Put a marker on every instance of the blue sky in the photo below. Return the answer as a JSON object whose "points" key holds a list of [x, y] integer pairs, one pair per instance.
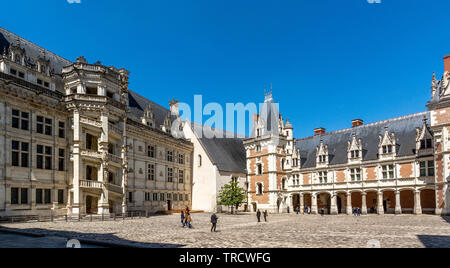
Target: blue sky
{"points": [[330, 61]]}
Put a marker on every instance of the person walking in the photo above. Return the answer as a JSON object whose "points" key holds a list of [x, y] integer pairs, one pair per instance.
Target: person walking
{"points": [[258, 215], [214, 219], [188, 220], [183, 223], [265, 215]]}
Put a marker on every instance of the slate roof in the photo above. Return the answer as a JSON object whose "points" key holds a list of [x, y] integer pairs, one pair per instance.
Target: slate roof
{"points": [[403, 127], [138, 104], [228, 154], [32, 51]]}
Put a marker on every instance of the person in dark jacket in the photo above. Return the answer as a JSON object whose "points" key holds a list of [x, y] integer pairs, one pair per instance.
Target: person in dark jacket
{"points": [[265, 215], [183, 219], [258, 215], [214, 219]]}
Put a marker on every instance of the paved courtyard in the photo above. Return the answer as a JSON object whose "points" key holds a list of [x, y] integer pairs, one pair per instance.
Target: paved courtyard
{"points": [[243, 231]]}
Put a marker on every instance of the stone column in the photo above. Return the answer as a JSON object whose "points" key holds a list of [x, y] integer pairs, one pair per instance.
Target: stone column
{"points": [[398, 207], [380, 207], [333, 207], [417, 203], [103, 201], [302, 203], [314, 209], [364, 203], [76, 206], [349, 203]]}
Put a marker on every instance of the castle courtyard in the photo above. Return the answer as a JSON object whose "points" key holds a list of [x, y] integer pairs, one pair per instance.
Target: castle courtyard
{"points": [[243, 231]]}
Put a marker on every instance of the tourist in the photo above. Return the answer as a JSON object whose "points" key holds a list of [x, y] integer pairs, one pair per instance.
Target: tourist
{"points": [[214, 219], [258, 215], [265, 215], [183, 223], [189, 220]]}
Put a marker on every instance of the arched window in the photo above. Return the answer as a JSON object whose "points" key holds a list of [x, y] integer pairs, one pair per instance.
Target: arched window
{"points": [[259, 188]]}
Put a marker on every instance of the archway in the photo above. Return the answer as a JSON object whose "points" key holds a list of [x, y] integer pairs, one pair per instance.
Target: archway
{"points": [[389, 201], [428, 201], [324, 203], [372, 202], [91, 205], [356, 200], [296, 202], [341, 203], [407, 201], [307, 202]]}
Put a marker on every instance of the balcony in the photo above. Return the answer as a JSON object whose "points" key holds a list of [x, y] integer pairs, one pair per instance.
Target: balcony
{"points": [[115, 159], [91, 154], [114, 188], [90, 122], [91, 184], [115, 130]]}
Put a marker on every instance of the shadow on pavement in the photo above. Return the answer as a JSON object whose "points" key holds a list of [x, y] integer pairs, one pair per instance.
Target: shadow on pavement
{"points": [[435, 241], [446, 218], [43, 238]]}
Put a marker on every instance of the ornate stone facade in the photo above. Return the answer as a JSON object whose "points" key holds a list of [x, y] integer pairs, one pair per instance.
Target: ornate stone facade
{"points": [[76, 140]]}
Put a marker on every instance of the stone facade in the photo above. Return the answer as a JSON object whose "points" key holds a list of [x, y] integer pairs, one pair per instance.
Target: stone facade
{"points": [[76, 140]]}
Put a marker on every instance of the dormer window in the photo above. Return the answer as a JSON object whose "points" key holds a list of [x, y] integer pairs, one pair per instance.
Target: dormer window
{"points": [[426, 144], [354, 154], [386, 144], [424, 139], [354, 149], [322, 154]]}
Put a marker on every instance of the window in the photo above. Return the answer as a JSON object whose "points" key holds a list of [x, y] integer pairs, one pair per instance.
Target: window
{"points": [[187, 197], [130, 197], [169, 196], [387, 149], [199, 160], [61, 159], [39, 81], [169, 174], [259, 170], [20, 153], [39, 199], [47, 196], [147, 196], [21, 75], [181, 159], [13, 71], [175, 197], [388, 172], [355, 174], [91, 142], [323, 177], [91, 91], [234, 180], [259, 188], [181, 197], [354, 154], [20, 120], [46, 84], [14, 196], [427, 169], [110, 94], [44, 125], [180, 176], [151, 172], [155, 197], [91, 173], [61, 197], [162, 197], [151, 151], [258, 148], [62, 130], [23, 196], [170, 156], [43, 157], [322, 158], [426, 144]]}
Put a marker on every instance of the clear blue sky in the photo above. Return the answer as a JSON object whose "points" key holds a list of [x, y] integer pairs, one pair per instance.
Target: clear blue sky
{"points": [[329, 61]]}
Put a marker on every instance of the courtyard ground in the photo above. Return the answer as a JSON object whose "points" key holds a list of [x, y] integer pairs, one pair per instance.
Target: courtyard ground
{"points": [[242, 231]]}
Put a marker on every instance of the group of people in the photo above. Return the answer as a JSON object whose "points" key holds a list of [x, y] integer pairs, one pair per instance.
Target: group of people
{"points": [[186, 219], [357, 212], [265, 215]]}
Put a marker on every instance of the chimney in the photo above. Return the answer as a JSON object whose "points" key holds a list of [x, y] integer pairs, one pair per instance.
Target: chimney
{"points": [[447, 63], [319, 131], [174, 104], [357, 123]]}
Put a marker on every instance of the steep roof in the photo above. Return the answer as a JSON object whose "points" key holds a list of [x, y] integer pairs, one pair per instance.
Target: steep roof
{"points": [[403, 127], [227, 153], [138, 104], [32, 51]]}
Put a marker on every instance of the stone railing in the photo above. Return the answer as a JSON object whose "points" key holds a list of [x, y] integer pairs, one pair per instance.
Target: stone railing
{"points": [[90, 122], [114, 188], [91, 154], [115, 159], [115, 129], [91, 184]]}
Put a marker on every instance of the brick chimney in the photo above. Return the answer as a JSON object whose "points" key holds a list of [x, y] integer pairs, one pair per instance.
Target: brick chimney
{"points": [[447, 63], [357, 123], [319, 131]]}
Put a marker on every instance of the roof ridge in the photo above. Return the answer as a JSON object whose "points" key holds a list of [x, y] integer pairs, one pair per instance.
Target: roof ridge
{"points": [[237, 135], [369, 125], [34, 44]]}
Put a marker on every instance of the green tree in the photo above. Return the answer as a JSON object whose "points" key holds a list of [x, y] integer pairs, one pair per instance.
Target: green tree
{"points": [[232, 195]]}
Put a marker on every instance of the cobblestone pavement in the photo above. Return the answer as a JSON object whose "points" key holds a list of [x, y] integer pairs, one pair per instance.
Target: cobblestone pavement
{"points": [[243, 231]]}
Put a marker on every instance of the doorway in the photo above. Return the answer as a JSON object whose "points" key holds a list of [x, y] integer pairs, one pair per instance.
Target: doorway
{"points": [[169, 205]]}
